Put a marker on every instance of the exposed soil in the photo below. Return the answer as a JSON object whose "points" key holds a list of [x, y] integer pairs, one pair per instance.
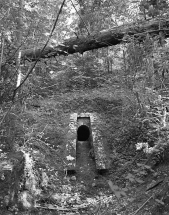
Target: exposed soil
{"points": [[87, 192]]}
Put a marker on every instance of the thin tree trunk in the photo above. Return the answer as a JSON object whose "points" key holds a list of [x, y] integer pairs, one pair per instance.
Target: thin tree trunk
{"points": [[19, 41]]}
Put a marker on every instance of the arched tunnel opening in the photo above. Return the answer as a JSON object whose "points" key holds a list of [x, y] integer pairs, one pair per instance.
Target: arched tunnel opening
{"points": [[83, 133]]}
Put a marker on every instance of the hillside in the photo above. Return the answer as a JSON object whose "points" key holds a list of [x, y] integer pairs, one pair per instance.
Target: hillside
{"points": [[84, 107]]}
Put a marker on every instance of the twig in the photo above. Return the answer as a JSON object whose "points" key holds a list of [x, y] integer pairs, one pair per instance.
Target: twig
{"points": [[155, 185], [56, 208], [2, 52], [142, 205]]}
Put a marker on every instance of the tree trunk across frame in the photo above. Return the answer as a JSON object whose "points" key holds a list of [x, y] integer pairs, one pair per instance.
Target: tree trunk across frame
{"points": [[105, 38]]}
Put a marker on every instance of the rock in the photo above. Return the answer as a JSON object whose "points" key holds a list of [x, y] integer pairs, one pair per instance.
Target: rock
{"points": [[26, 200], [73, 178]]}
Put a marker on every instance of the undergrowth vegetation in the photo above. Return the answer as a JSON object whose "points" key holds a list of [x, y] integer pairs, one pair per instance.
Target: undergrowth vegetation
{"points": [[126, 85], [134, 124]]}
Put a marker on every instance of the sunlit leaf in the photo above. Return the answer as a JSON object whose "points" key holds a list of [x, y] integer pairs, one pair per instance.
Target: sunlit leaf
{"points": [[159, 201], [112, 186], [131, 199], [117, 194], [123, 193], [139, 180]]}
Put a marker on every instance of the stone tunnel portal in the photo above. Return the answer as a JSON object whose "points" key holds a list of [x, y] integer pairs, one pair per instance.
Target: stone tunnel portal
{"points": [[83, 133]]}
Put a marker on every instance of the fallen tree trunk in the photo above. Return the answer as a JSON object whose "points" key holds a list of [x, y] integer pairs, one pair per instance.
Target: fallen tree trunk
{"points": [[105, 38]]}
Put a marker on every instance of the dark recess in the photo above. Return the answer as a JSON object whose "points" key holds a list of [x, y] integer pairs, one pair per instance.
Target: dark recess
{"points": [[83, 133]]}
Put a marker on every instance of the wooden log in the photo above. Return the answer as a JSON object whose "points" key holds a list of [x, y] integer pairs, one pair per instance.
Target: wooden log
{"points": [[105, 38]]}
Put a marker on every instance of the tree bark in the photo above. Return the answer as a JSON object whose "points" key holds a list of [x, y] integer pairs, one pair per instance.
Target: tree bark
{"points": [[19, 27], [105, 38]]}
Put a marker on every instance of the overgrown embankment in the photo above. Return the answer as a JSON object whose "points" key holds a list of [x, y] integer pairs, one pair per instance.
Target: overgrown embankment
{"points": [[42, 134]]}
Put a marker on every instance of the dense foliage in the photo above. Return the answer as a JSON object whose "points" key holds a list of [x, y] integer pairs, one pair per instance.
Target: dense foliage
{"points": [[126, 84]]}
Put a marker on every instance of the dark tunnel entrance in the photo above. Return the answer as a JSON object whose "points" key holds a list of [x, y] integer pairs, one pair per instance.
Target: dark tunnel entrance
{"points": [[83, 133]]}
